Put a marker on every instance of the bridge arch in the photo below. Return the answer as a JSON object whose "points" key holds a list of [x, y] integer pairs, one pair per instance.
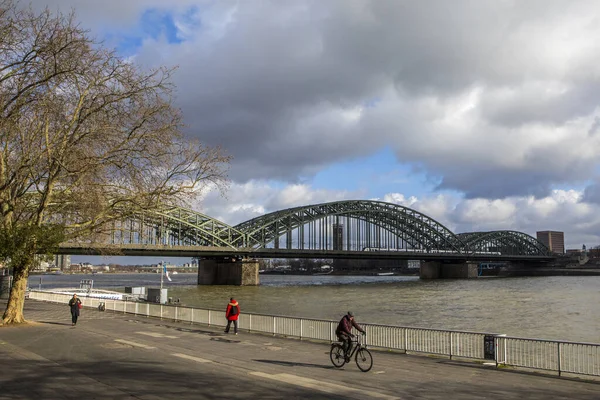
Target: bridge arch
{"points": [[175, 226], [505, 242], [353, 225], [364, 224]]}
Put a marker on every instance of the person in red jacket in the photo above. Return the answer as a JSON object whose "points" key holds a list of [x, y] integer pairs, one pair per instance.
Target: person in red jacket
{"points": [[232, 313]]}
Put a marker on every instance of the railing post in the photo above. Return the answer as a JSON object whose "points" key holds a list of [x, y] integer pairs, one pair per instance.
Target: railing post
{"points": [[330, 331], [176, 309], [274, 326], [558, 360], [450, 349], [301, 323], [208, 317], [250, 323], [192, 317]]}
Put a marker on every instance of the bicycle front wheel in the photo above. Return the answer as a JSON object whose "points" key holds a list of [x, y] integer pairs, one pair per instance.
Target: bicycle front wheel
{"points": [[364, 360], [337, 355]]}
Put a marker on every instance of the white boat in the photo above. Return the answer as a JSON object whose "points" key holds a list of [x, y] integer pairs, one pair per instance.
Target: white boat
{"points": [[385, 273], [323, 273], [93, 293]]}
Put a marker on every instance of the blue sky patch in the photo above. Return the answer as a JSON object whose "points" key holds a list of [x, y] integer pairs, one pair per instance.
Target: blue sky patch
{"points": [[153, 24], [375, 175]]}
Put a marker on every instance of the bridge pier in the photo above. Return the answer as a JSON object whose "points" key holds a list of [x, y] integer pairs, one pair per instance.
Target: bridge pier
{"points": [[227, 272], [439, 270]]}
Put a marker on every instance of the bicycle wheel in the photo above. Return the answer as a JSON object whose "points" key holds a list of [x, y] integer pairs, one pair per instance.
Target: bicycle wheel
{"points": [[364, 360], [337, 355]]}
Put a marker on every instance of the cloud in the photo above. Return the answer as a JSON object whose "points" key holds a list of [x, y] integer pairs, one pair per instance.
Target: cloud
{"points": [[591, 193], [489, 99], [561, 210], [254, 199]]}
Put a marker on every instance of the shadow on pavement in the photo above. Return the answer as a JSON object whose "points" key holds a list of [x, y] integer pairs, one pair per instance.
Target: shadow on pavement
{"points": [[117, 380], [55, 323], [295, 364]]}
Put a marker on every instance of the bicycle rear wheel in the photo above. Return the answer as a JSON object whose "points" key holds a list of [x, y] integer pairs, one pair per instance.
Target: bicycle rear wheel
{"points": [[337, 355], [364, 360]]}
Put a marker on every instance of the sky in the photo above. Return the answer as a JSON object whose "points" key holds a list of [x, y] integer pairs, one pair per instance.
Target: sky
{"points": [[483, 115]]}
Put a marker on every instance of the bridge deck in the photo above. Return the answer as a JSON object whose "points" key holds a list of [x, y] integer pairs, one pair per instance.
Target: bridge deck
{"points": [[214, 251]]}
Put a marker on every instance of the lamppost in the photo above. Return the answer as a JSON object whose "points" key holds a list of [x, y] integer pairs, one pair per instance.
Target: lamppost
{"points": [[162, 272]]}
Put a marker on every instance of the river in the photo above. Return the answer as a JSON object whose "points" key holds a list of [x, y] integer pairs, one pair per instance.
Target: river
{"points": [[560, 307]]}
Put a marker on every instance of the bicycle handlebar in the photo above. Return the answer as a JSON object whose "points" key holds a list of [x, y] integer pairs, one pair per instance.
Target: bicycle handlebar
{"points": [[356, 338]]}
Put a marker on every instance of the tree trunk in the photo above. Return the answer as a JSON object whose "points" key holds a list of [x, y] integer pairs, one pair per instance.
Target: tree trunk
{"points": [[16, 299]]}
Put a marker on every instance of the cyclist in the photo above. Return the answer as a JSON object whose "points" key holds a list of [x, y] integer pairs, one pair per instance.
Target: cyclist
{"points": [[344, 333]]}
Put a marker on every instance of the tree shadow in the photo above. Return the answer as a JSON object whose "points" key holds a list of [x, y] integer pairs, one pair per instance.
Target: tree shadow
{"points": [[25, 379]]}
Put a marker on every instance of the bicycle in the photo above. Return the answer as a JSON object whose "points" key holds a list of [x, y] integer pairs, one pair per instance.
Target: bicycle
{"points": [[362, 356]]}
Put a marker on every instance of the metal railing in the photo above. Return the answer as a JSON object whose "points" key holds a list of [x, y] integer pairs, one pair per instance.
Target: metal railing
{"points": [[550, 355]]}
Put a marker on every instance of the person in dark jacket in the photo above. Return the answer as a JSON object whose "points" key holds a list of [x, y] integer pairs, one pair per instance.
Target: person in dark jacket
{"points": [[75, 304], [344, 332], [232, 313]]}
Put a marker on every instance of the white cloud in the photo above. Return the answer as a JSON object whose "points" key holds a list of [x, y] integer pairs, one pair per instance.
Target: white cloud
{"points": [[562, 210]]}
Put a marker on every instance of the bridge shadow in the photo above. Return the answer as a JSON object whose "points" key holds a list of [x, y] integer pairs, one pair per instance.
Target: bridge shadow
{"points": [[295, 364]]}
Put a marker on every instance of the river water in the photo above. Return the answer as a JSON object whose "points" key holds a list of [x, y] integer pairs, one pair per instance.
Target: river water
{"points": [[561, 307]]}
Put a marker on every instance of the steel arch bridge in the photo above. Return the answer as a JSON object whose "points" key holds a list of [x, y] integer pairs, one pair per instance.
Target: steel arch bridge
{"points": [[336, 228]]}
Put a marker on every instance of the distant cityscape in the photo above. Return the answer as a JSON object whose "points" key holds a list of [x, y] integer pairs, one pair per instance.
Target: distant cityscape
{"points": [[62, 264]]}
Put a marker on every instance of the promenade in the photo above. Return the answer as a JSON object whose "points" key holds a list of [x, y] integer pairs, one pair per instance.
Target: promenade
{"points": [[116, 356]]}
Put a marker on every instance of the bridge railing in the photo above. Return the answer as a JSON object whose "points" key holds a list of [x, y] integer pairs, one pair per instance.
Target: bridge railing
{"points": [[549, 355]]}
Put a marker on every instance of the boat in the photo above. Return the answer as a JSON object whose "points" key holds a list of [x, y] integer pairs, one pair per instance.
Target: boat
{"points": [[92, 293], [324, 273], [385, 273]]}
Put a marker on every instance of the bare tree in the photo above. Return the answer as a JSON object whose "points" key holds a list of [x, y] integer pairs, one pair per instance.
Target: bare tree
{"points": [[84, 136]]}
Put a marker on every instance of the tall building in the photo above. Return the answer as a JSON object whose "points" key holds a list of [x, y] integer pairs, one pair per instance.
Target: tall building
{"points": [[62, 261], [338, 236], [554, 240]]}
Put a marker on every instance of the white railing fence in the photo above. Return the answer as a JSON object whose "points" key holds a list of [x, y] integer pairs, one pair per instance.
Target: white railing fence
{"points": [[557, 356]]}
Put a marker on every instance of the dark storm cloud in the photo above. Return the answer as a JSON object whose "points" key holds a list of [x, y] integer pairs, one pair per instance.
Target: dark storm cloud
{"points": [[290, 87], [591, 193]]}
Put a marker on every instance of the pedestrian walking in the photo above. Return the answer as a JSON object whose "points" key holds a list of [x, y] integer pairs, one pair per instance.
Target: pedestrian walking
{"points": [[75, 304], [232, 313]]}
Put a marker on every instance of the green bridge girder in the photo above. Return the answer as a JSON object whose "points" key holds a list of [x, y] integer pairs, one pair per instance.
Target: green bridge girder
{"points": [[412, 227], [176, 226], [360, 225]]}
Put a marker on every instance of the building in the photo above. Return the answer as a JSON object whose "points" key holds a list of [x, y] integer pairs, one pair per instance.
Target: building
{"points": [[554, 240], [62, 262]]}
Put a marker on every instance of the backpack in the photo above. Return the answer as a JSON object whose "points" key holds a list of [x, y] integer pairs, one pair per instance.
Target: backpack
{"points": [[234, 310]]}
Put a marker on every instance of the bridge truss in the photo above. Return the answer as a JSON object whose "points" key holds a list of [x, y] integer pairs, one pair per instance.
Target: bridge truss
{"points": [[175, 226], [342, 226]]}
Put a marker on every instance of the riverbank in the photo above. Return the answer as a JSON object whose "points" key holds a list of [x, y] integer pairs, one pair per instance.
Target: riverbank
{"points": [[555, 307], [115, 356]]}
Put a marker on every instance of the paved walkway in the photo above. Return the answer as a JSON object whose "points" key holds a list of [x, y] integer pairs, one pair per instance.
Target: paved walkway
{"points": [[116, 356]]}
